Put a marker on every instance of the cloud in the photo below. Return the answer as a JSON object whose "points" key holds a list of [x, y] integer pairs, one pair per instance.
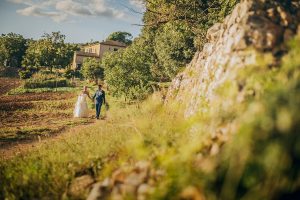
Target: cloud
{"points": [[138, 3], [101, 9], [72, 8], [26, 2], [61, 10], [38, 12]]}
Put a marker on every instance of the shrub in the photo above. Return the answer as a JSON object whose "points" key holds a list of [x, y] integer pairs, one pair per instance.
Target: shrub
{"points": [[69, 73], [44, 75], [27, 72], [9, 72], [53, 83], [78, 74]]}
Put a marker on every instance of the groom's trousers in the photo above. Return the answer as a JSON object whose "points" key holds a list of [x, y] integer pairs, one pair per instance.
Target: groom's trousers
{"points": [[98, 110]]}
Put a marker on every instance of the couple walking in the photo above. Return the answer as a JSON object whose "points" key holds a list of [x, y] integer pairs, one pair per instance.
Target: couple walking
{"points": [[81, 107]]}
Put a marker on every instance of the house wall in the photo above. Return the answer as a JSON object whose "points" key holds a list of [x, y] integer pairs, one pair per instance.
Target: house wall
{"points": [[104, 48], [93, 49], [97, 49]]}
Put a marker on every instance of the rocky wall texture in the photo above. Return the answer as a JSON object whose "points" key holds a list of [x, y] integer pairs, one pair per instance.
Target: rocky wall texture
{"points": [[253, 26]]}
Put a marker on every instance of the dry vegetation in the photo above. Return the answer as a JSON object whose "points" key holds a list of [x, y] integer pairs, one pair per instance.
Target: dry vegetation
{"points": [[6, 84], [31, 116]]}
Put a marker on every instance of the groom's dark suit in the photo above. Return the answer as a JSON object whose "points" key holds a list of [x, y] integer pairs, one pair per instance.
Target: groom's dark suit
{"points": [[99, 98]]}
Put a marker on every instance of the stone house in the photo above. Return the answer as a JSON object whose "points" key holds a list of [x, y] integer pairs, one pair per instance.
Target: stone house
{"points": [[96, 50]]}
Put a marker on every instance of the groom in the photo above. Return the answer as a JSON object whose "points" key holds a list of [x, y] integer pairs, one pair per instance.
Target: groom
{"points": [[99, 98]]}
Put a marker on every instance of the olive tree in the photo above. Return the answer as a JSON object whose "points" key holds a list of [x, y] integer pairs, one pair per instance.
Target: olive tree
{"points": [[92, 69]]}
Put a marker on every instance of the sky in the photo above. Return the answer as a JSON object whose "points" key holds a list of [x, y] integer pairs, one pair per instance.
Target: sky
{"points": [[79, 20]]}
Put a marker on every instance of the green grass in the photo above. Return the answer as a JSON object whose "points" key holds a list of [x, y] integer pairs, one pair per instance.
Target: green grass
{"points": [[22, 90], [235, 150]]}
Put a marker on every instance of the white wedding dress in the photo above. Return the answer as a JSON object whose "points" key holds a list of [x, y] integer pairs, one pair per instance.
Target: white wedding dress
{"points": [[81, 107]]}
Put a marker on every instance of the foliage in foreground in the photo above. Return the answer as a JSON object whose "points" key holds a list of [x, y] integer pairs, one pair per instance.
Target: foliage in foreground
{"points": [[256, 158]]}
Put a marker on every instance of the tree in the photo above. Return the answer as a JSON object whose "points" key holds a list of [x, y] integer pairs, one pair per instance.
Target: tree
{"points": [[199, 15], [127, 72], [50, 52], [174, 48], [92, 69], [12, 49], [167, 43], [120, 36]]}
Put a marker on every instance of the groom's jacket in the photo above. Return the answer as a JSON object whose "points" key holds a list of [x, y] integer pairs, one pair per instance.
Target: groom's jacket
{"points": [[99, 96]]}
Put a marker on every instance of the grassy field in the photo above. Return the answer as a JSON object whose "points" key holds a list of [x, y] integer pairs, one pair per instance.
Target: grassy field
{"points": [[96, 150], [30, 115], [35, 115]]}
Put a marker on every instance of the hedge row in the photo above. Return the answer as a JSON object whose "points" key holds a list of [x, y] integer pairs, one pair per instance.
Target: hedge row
{"points": [[33, 83]]}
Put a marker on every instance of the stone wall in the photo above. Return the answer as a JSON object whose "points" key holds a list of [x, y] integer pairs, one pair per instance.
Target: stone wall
{"points": [[259, 25]]}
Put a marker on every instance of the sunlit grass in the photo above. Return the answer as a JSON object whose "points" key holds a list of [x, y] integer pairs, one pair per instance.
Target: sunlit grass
{"points": [[22, 90], [60, 160]]}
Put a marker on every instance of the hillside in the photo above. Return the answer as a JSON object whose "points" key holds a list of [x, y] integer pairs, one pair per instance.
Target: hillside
{"points": [[228, 127]]}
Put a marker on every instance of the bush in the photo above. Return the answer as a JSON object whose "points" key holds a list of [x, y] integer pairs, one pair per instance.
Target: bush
{"points": [[36, 83], [27, 72], [9, 72], [47, 74], [44, 75], [69, 73], [78, 74]]}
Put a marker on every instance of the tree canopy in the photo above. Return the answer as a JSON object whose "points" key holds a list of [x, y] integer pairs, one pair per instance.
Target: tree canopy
{"points": [[12, 49], [92, 69], [121, 36], [49, 52], [172, 31], [128, 71]]}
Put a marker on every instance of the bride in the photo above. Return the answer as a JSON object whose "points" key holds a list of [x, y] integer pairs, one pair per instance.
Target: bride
{"points": [[81, 107]]}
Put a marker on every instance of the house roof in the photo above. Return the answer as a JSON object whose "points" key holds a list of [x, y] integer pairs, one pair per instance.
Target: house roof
{"points": [[113, 43]]}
